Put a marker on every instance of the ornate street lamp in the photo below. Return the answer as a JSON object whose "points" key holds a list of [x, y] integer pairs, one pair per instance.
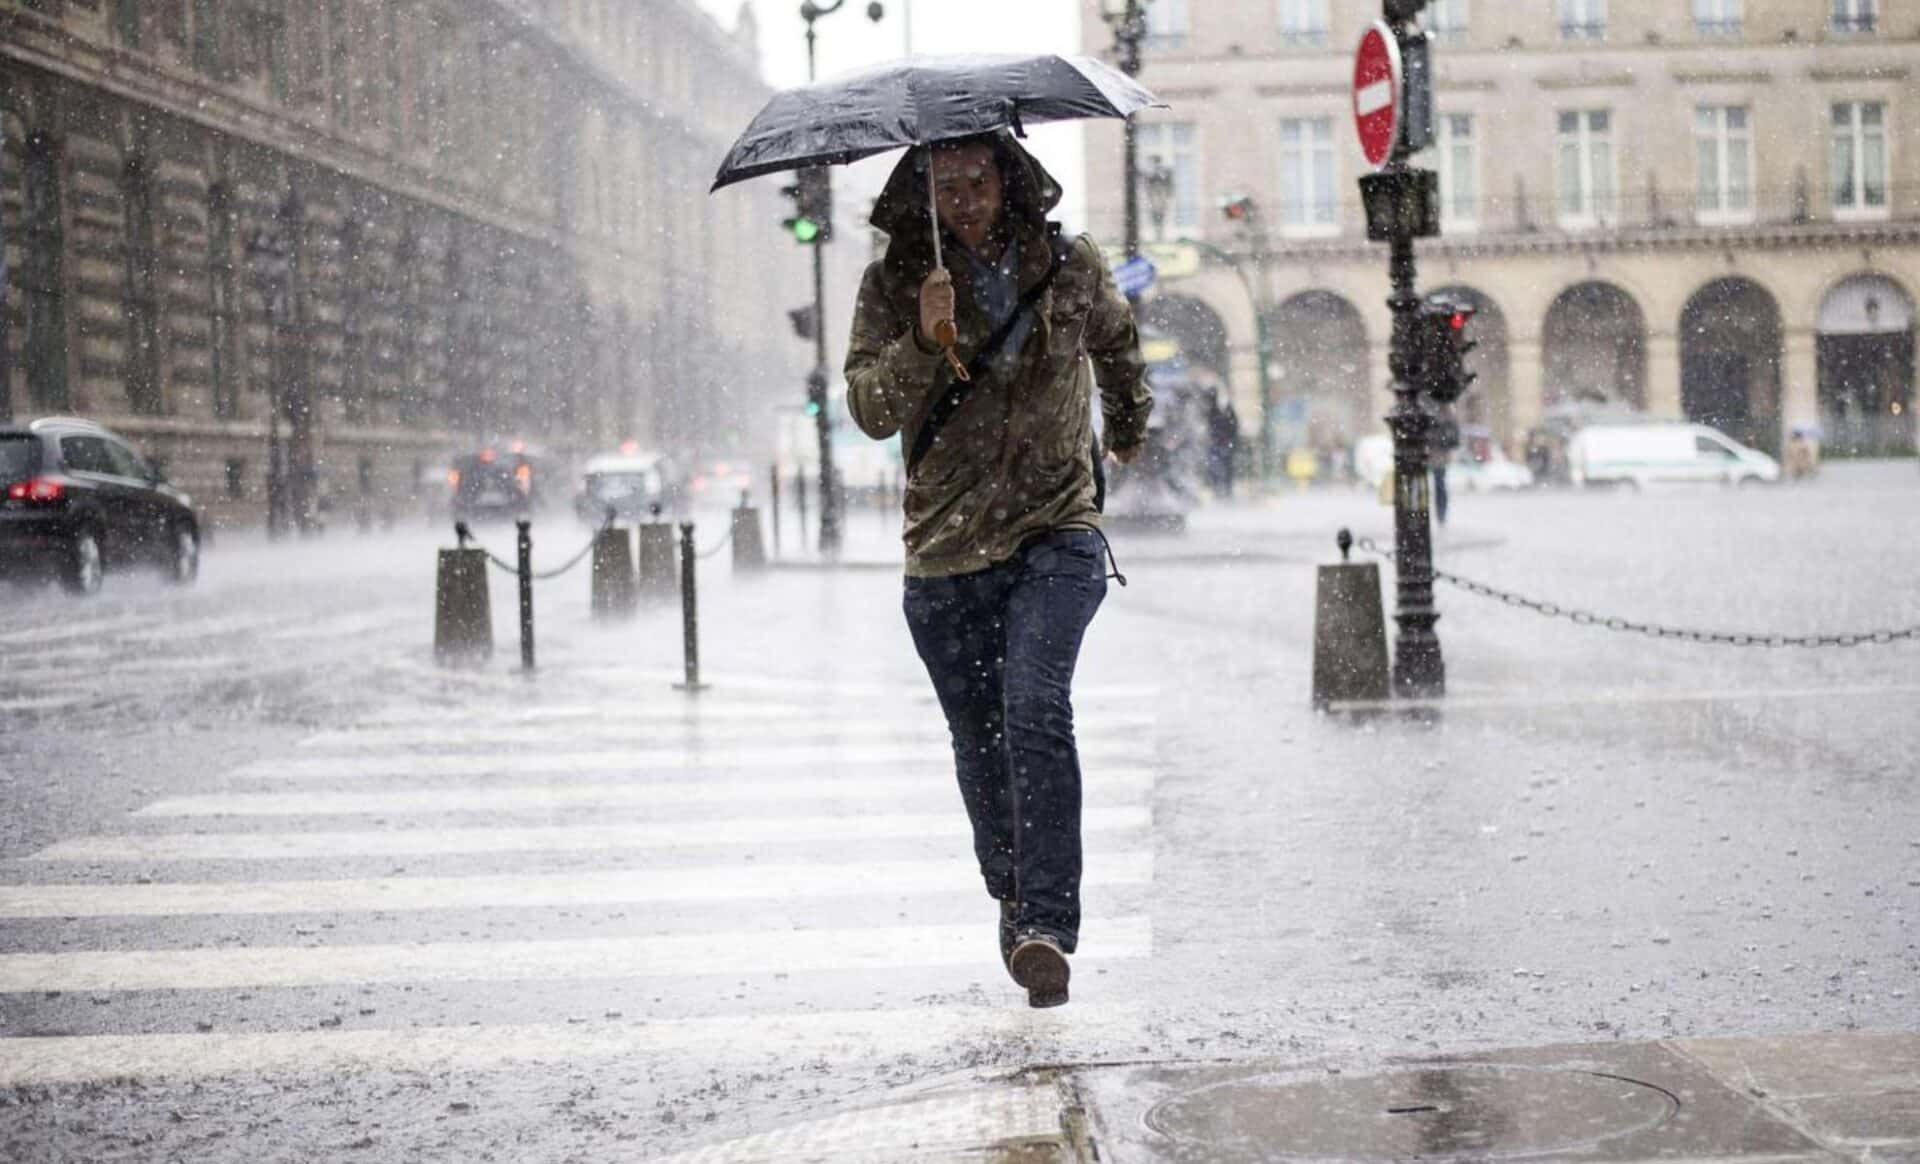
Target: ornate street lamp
{"points": [[1159, 180]]}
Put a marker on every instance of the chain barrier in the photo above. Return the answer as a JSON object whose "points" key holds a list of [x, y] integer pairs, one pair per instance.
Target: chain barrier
{"points": [[724, 543], [1656, 630], [514, 569]]}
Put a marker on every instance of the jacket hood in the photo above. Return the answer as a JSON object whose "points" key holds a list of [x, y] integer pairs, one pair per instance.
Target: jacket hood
{"points": [[902, 212]]}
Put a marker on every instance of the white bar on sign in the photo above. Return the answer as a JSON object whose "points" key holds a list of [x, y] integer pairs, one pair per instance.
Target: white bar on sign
{"points": [[1373, 98], [671, 955], [881, 879], [557, 838], [1105, 783]]}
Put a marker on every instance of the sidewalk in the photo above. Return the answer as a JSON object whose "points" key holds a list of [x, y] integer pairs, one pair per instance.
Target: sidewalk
{"points": [[1791, 1098]]}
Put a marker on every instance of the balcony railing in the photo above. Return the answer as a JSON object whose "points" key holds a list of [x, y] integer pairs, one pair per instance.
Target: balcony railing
{"points": [[1854, 23], [1682, 210], [1717, 29], [1583, 30], [1304, 37]]}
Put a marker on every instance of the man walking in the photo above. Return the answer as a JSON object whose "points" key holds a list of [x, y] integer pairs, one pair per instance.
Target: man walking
{"points": [[1005, 564]]}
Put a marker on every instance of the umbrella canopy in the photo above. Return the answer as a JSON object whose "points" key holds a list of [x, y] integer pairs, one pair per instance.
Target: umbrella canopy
{"points": [[923, 100]]}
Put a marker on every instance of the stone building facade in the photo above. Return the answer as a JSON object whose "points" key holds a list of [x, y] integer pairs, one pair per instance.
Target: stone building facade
{"points": [[385, 230], [1707, 209]]}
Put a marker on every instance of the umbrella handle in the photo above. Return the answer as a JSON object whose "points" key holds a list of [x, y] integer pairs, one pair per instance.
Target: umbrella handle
{"points": [[945, 333]]}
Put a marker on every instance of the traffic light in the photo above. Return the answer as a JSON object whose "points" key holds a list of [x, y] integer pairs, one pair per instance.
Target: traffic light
{"points": [[1400, 11], [806, 321], [812, 221], [1442, 346], [1237, 208]]}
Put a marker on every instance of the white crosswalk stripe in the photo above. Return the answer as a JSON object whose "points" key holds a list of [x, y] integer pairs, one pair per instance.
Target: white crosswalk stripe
{"points": [[842, 811], [736, 1037], [1128, 783]]}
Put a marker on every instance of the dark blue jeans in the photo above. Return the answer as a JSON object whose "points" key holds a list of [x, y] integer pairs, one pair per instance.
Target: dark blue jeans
{"points": [[1000, 645]]}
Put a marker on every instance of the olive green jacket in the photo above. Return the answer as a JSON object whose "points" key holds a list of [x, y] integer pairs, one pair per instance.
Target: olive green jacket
{"points": [[1014, 460]]}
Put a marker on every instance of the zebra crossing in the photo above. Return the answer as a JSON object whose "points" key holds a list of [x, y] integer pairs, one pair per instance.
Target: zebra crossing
{"points": [[769, 870]]}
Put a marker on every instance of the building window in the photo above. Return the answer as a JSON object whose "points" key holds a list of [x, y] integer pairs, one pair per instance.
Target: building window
{"points": [[1717, 19], [1307, 203], [1174, 144], [1167, 25], [222, 292], [1723, 147], [1586, 167], [1860, 159], [1447, 21], [1855, 15], [141, 368], [126, 22], [1583, 19], [1459, 166], [208, 60], [42, 275], [1303, 23]]}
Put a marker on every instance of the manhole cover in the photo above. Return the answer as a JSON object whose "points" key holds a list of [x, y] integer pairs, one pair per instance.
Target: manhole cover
{"points": [[1437, 1113]]}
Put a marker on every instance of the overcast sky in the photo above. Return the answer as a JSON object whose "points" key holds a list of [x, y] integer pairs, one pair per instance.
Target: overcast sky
{"points": [[848, 40]]}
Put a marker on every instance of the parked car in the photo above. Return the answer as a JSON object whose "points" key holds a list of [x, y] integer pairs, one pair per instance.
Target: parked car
{"points": [[1480, 465], [495, 484], [1660, 452], [79, 501], [636, 486]]}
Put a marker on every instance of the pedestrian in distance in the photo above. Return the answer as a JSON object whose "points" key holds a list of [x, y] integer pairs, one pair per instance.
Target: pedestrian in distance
{"points": [[1005, 561], [1442, 440]]}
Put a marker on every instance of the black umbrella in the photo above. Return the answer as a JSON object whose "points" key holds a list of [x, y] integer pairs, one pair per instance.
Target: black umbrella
{"points": [[920, 101], [923, 100]]}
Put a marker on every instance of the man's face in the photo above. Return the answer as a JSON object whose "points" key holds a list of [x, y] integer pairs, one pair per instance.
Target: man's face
{"points": [[966, 185]]}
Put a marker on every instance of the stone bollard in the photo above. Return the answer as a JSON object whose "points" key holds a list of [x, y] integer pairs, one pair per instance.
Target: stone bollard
{"points": [[749, 552], [657, 565], [462, 615], [1349, 633], [613, 592]]}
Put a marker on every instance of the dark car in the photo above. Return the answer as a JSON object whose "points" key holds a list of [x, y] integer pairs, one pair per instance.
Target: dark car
{"points": [[495, 485], [79, 501]]}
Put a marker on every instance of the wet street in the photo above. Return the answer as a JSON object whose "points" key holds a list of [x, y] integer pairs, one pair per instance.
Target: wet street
{"points": [[273, 886]]}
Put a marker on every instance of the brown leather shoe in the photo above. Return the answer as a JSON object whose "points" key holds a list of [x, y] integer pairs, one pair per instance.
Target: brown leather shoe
{"points": [[1039, 964]]}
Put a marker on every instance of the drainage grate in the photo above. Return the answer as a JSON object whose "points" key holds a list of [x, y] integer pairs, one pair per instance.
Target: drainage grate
{"points": [[1442, 1113]]}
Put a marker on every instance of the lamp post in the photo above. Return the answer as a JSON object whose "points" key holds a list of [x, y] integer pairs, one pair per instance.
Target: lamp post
{"points": [[1242, 210], [1128, 20], [1159, 180], [830, 507], [270, 252]]}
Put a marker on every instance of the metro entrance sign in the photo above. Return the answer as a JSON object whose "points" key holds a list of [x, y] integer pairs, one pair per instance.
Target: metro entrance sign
{"points": [[1378, 89]]}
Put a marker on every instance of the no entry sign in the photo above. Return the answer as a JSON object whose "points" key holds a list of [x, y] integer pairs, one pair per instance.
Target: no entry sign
{"points": [[1377, 89]]}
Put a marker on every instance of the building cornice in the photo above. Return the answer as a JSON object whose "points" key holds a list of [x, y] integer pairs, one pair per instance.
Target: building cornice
{"points": [[1822, 236]]}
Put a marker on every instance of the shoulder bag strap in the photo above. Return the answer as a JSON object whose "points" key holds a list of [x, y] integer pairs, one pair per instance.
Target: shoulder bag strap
{"points": [[956, 390]]}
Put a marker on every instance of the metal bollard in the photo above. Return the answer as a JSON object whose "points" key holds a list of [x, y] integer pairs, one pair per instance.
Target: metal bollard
{"points": [[689, 613], [773, 506], [800, 499], [749, 552], [613, 585], [526, 594], [462, 616]]}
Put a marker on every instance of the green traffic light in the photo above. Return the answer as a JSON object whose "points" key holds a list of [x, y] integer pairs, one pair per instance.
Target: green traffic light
{"points": [[805, 230]]}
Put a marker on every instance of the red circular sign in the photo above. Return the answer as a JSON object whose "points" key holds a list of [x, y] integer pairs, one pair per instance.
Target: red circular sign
{"points": [[1376, 92]]}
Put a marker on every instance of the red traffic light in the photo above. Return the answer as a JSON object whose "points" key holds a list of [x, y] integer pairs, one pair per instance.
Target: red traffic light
{"points": [[1458, 321]]}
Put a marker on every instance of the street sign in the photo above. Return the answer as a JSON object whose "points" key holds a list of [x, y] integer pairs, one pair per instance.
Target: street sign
{"points": [[1134, 276], [1377, 81], [1173, 260]]}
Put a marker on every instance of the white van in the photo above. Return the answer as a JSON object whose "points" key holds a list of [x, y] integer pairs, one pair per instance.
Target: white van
{"points": [[1664, 451]]}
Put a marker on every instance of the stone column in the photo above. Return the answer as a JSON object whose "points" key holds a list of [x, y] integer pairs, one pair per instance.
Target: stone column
{"points": [[1663, 375], [1799, 380], [1526, 387]]}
